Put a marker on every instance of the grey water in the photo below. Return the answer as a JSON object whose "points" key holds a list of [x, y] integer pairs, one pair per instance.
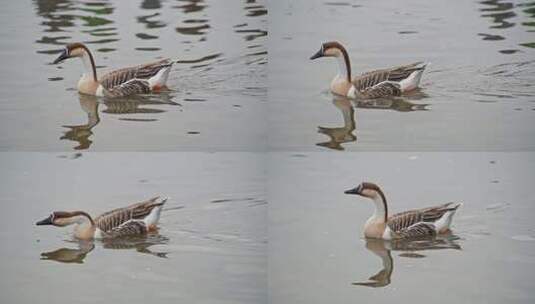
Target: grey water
{"points": [[317, 252], [476, 94], [210, 246], [217, 88]]}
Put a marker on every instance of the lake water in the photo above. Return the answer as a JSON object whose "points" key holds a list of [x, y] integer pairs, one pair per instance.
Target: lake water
{"points": [[218, 88], [317, 253], [477, 93], [211, 246]]}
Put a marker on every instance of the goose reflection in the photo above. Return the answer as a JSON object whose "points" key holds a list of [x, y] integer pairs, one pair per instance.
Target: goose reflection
{"points": [[69, 255], [399, 104], [410, 249], [77, 255], [90, 105], [344, 134], [82, 133]]}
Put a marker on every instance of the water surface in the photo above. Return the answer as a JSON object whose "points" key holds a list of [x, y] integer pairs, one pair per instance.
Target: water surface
{"points": [[477, 93], [210, 247], [317, 253], [217, 88]]}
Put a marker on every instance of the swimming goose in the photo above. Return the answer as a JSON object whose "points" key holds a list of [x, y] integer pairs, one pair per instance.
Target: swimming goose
{"points": [[136, 219], [123, 82], [375, 84], [425, 222]]}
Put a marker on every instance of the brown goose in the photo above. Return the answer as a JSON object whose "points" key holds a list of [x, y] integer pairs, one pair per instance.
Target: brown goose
{"points": [[139, 79], [136, 219], [416, 223], [375, 84]]}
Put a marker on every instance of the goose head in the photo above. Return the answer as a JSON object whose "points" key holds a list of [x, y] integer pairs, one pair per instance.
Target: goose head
{"points": [[72, 50], [369, 190], [63, 218], [330, 49]]}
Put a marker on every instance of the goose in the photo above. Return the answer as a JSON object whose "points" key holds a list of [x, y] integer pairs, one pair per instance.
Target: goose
{"points": [[425, 222], [139, 79], [136, 219], [375, 84]]}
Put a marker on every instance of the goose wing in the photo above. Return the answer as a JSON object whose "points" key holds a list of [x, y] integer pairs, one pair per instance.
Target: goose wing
{"points": [[145, 71], [128, 228], [382, 89], [369, 79], [112, 219], [133, 86], [400, 221]]}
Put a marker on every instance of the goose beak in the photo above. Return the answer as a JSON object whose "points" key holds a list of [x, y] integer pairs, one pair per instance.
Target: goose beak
{"points": [[62, 57], [317, 55], [355, 190], [47, 221]]}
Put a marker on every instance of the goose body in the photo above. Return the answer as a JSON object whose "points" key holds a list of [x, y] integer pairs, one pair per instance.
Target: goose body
{"points": [[136, 219], [375, 84], [139, 79], [425, 222]]}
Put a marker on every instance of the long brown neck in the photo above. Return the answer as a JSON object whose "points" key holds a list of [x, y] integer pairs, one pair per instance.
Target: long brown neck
{"points": [[381, 208], [83, 215], [89, 62], [343, 62]]}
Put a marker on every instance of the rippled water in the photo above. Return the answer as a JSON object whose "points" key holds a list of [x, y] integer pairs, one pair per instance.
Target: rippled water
{"points": [[477, 93], [317, 253], [218, 86], [210, 247]]}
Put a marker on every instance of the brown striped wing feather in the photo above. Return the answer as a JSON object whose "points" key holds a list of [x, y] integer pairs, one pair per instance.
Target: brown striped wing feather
{"points": [[129, 228], [382, 89], [115, 218], [134, 86], [369, 79], [146, 71], [400, 221], [421, 229]]}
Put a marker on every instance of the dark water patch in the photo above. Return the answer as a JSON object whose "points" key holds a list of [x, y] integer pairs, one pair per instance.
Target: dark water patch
{"points": [[106, 50], [499, 13], [150, 4], [252, 34], [95, 21], [139, 119], [509, 51], [240, 25], [49, 52], [193, 30], [528, 44], [491, 37], [407, 32], [149, 23], [255, 10], [230, 200], [202, 59], [53, 40], [101, 41], [148, 49], [192, 6], [193, 132], [195, 99], [257, 53], [146, 36]]}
